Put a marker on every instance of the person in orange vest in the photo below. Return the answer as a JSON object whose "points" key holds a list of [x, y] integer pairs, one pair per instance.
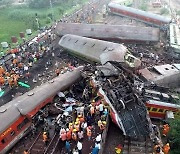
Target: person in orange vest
{"points": [[2, 80], [166, 148], [26, 151], [45, 138], [76, 126], [89, 132], [2, 71], [81, 118], [15, 79], [68, 134], [10, 82], [57, 71], [74, 135], [7, 74], [71, 127], [15, 61], [166, 129]]}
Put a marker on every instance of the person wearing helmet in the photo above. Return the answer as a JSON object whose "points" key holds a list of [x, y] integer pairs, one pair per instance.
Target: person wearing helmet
{"points": [[166, 148]]}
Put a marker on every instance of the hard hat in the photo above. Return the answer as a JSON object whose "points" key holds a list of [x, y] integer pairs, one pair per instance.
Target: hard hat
{"points": [[93, 100], [74, 130], [167, 144], [45, 133], [76, 122], [104, 122], [79, 116], [67, 129], [70, 124]]}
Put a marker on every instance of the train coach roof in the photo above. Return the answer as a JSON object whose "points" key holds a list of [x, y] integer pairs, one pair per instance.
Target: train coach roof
{"points": [[105, 31], [24, 104], [140, 12], [155, 102], [93, 49], [8, 116]]}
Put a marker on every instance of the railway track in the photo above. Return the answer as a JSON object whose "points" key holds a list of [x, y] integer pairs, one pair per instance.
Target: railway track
{"points": [[39, 147], [137, 146]]}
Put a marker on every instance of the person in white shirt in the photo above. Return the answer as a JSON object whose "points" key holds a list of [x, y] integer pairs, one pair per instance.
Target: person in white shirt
{"points": [[79, 146], [101, 108]]}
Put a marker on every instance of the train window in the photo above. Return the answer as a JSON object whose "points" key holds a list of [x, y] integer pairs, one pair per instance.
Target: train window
{"points": [[93, 45], [161, 110], [76, 41], [24, 122], [154, 109], [3, 141], [12, 133], [69, 39], [105, 48], [149, 108], [84, 43]]}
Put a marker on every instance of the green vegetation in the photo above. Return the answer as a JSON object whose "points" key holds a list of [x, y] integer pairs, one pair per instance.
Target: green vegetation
{"points": [[18, 18], [144, 5], [127, 3], [174, 136], [164, 11]]}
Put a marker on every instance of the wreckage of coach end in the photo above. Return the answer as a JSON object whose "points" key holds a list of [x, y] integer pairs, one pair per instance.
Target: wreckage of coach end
{"points": [[99, 51], [16, 116], [125, 33]]}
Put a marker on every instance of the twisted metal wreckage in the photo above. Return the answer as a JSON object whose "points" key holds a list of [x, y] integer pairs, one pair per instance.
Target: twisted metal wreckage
{"points": [[114, 83]]}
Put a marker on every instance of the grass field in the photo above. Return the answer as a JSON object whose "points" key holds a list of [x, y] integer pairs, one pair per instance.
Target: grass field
{"points": [[16, 19]]}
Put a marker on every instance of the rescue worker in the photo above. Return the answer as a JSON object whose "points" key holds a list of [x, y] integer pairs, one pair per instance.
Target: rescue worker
{"points": [[26, 151], [57, 71], [89, 133], [74, 136], [166, 148], [166, 129], [80, 135], [71, 127], [118, 149], [45, 138], [2, 81], [76, 126], [2, 71], [10, 82], [63, 135], [15, 79], [68, 134]]}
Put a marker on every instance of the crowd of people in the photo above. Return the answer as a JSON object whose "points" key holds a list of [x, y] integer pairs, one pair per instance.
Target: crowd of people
{"points": [[87, 125], [159, 148]]}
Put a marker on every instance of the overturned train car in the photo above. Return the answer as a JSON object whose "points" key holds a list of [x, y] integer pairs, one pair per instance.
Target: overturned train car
{"points": [[146, 17], [16, 116], [110, 32], [98, 51]]}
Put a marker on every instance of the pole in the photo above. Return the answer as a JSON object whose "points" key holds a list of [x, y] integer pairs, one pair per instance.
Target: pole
{"points": [[51, 9]]}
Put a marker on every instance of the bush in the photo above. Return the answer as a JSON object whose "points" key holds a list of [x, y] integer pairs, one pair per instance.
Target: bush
{"points": [[174, 136], [164, 11], [48, 20]]}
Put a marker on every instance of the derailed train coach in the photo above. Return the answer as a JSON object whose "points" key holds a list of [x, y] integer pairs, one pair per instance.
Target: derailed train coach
{"points": [[98, 51], [125, 33], [146, 17], [16, 117]]}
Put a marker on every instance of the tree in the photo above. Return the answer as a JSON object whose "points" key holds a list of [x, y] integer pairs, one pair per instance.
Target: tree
{"points": [[174, 136], [164, 11]]}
